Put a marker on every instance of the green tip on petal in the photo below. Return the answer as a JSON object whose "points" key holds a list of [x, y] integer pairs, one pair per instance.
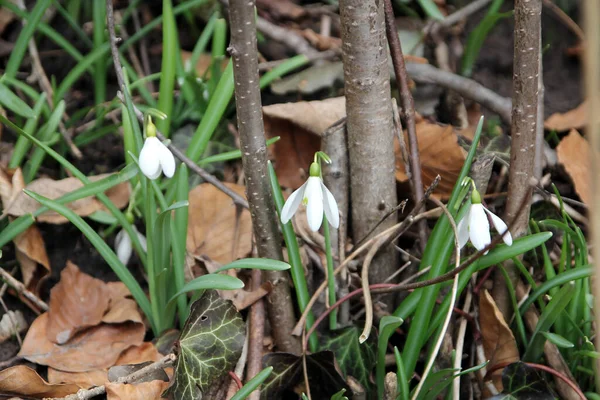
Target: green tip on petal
{"points": [[315, 170], [475, 197]]}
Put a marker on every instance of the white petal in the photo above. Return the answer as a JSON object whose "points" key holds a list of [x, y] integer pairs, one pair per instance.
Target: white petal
{"points": [[123, 246], [463, 230], [292, 203], [314, 208], [167, 161], [330, 207], [142, 239], [479, 227], [500, 227], [149, 158]]}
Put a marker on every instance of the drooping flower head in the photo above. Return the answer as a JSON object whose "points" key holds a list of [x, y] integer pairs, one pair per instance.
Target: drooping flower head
{"points": [[317, 199], [476, 227], [155, 157]]}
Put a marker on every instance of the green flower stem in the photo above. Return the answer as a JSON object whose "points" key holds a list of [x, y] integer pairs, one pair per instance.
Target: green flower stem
{"points": [[150, 216], [101, 66], [297, 270], [168, 67], [330, 275], [179, 241]]}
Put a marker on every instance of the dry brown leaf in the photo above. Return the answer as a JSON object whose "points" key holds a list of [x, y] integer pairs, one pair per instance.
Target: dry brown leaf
{"points": [[440, 154], [32, 256], [576, 118], [300, 126], [24, 381], [30, 249], [139, 354], [214, 227], [95, 348], [499, 343], [77, 302], [85, 380], [52, 189], [281, 8], [141, 391], [574, 153], [122, 307]]}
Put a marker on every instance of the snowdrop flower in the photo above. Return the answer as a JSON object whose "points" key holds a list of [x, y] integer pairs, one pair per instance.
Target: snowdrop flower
{"points": [[123, 244], [317, 199], [155, 157], [475, 226]]}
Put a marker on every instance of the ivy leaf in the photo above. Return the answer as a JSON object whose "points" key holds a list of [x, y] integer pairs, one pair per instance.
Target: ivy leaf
{"points": [[209, 346], [355, 359], [522, 382], [324, 379]]}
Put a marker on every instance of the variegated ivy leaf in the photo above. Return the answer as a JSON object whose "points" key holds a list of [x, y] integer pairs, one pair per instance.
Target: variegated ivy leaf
{"points": [[209, 346]]}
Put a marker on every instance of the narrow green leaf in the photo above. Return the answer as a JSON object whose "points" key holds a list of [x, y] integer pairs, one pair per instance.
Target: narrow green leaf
{"points": [[21, 45], [169, 58], [256, 263], [558, 303], [14, 103], [211, 281], [252, 384], [387, 326], [558, 340]]}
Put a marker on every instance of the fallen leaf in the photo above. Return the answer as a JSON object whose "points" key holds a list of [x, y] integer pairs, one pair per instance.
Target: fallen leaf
{"points": [[574, 153], [300, 126], [83, 380], [12, 323], [31, 254], [77, 302], [499, 343], [95, 348], [141, 391], [146, 352], [6, 17], [215, 228], [440, 154], [52, 189], [29, 244], [122, 307], [576, 118], [24, 381]]}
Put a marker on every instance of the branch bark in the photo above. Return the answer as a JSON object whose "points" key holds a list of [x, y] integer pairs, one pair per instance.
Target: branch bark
{"points": [[523, 130], [244, 52], [369, 124]]}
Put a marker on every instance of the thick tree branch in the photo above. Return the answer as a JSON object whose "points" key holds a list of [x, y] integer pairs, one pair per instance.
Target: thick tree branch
{"points": [[369, 123], [243, 51], [523, 129]]}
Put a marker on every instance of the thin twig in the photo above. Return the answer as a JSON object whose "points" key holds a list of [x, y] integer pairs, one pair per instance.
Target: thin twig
{"points": [[237, 199], [84, 394], [408, 109], [22, 290], [257, 330], [564, 17], [364, 278]]}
